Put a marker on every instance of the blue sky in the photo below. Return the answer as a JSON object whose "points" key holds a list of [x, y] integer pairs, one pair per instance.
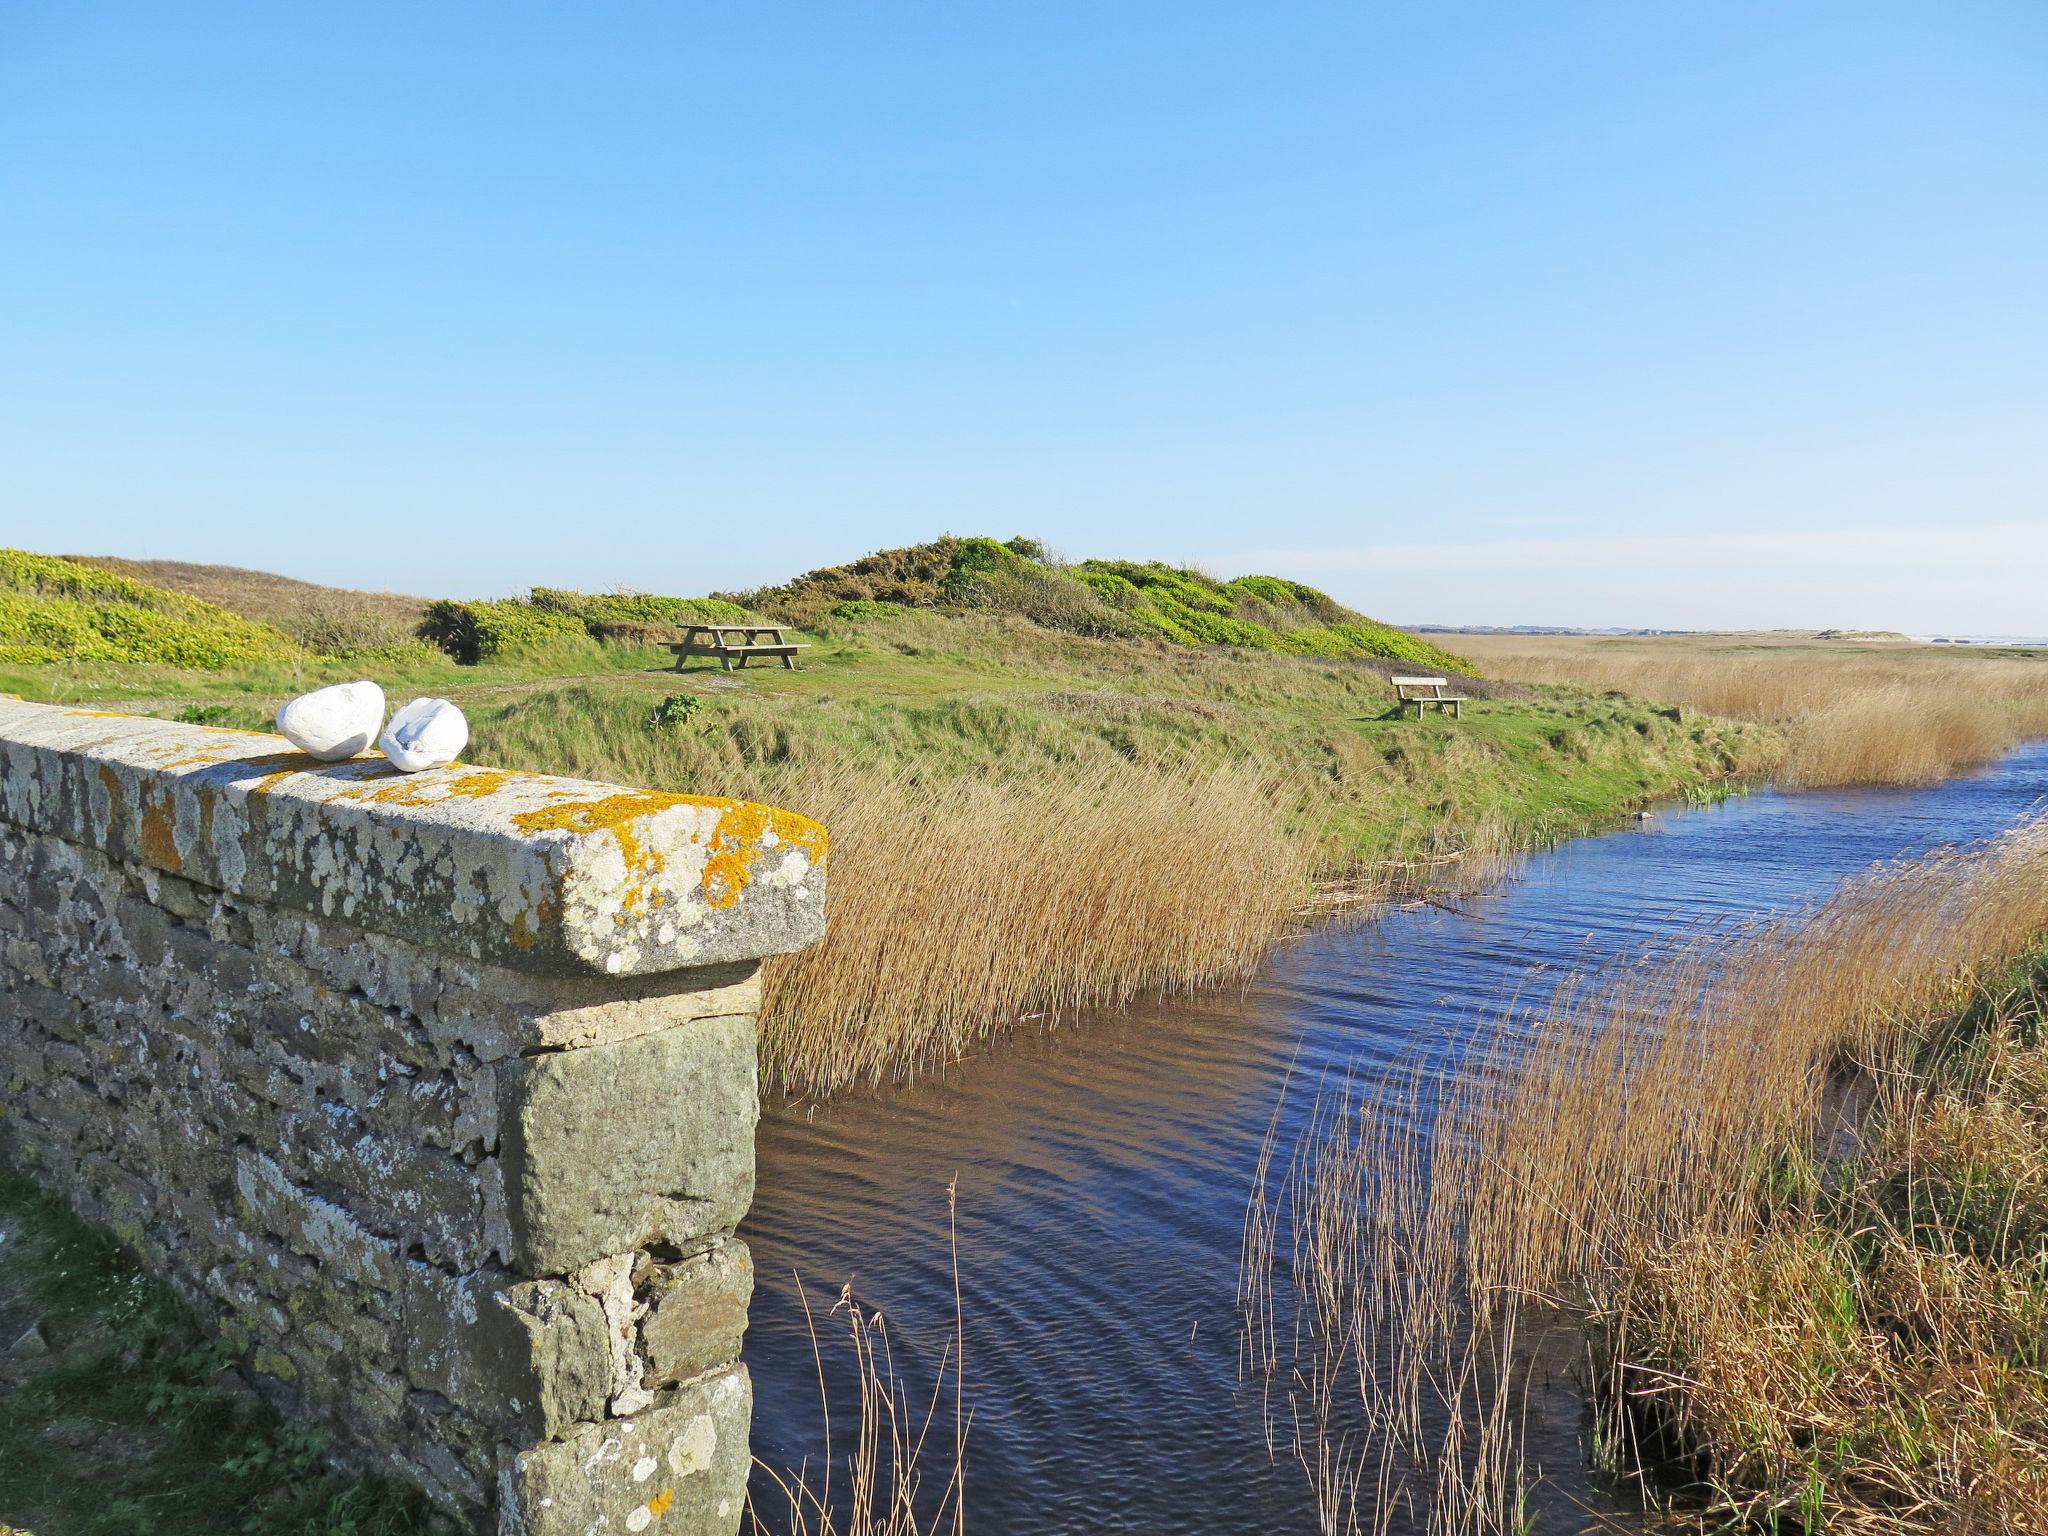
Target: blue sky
{"points": [[1578, 313]]}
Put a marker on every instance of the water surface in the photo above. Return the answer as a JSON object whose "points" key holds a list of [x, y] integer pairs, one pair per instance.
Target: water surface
{"points": [[1103, 1168]]}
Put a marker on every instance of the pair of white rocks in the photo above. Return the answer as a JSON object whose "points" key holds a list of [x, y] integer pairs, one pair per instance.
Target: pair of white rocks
{"points": [[338, 722]]}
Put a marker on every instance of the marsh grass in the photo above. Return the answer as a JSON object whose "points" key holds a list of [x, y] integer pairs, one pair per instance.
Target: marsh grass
{"points": [[1852, 715], [1658, 1154]]}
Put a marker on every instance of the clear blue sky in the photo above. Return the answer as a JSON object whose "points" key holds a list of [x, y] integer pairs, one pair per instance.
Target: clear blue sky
{"points": [[1611, 314]]}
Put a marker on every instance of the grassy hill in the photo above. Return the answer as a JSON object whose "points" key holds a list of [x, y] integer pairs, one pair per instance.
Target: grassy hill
{"points": [[1049, 786], [53, 609], [329, 620], [1104, 598]]}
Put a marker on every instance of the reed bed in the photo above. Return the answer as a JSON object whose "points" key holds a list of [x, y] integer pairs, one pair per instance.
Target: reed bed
{"points": [[998, 861], [983, 902], [1904, 715], [1610, 1160]]}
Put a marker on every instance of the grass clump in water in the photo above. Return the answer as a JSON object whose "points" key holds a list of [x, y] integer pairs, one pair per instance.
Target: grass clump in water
{"points": [[119, 1417]]}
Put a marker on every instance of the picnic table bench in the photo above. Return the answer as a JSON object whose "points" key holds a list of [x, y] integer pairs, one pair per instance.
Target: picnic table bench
{"points": [[1425, 691], [719, 642]]}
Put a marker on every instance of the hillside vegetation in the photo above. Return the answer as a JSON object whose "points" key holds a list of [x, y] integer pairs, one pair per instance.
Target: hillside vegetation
{"points": [[53, 609], [1103, 598], [327, 620]]}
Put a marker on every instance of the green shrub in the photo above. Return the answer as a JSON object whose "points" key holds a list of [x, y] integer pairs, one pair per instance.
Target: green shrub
{"points": [[868, 608], [601, 611], [482, 631], [59, 610], [678, 709]]}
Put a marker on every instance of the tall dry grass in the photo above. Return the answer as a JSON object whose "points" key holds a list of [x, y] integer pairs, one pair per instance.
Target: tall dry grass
{"points": [[985, 901], [880, 1482], [1906, 715], [1401, 1275]]}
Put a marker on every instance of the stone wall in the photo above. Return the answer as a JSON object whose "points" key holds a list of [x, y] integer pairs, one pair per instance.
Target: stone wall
{"points": [[437, 1092]]}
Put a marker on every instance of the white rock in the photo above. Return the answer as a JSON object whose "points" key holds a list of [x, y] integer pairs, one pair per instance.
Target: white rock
{"points": [[333, 723], [427, 733]]}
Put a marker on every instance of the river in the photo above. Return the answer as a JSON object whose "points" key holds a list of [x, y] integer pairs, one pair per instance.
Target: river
{"points": [[1103, 1167]]}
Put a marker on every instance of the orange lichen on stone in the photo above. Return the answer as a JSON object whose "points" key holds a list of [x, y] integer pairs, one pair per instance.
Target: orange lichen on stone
{"points": [[99, 714], [659, 1504], [110, 781], [159, 838], [616, 814]]}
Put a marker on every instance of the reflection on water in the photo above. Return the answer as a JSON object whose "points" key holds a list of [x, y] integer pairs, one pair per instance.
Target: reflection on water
{"points": [[1103, 1169]]}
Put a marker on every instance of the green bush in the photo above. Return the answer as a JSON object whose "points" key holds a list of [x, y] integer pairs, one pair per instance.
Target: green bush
{"points": [[482, 631], [868, 608], [58, 610], [678, 709], [601, 611]]}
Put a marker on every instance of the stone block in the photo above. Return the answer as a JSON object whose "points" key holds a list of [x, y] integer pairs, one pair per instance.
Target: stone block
{"points": [[696, 1313], [619, 1146], [528, 1357], [679, 1467]]}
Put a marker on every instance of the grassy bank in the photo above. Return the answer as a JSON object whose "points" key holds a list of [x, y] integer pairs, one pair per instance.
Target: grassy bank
{"points": [[1861, 1344], [1025, 820], [1791, 1186], [1853, 711], [118, 1417]]}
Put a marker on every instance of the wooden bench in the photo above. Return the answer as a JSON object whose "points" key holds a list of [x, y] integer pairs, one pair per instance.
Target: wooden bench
{"points": [[719, 642], [1425, 691]]}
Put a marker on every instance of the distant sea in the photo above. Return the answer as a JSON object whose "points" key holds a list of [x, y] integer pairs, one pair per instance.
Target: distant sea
{"points": [[2021, 641]]}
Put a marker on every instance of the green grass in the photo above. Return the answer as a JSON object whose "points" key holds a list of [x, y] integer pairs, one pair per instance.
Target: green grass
{"points": [[975, 695], [128, 1426]]}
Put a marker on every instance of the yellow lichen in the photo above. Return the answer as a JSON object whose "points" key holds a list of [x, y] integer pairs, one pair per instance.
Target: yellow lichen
{"points": [[659, 1504], [474, 784], [736, 841]]}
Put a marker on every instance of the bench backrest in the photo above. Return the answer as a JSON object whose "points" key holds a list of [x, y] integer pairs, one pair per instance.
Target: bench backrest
{"points": [[1403, 684]]}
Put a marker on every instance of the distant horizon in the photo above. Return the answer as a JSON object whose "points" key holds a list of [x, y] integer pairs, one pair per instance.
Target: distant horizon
{"points": [[1466, 625]]}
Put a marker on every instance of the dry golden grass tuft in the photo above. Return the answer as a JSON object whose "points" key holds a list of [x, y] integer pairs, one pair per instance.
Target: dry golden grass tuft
{"points": [[1853, 713], [1855, 1344]]}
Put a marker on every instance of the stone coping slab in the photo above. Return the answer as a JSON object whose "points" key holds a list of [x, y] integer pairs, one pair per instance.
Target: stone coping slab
{"points": [[537, 873]]}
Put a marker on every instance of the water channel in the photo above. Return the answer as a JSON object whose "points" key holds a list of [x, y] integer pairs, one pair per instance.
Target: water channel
{"points": [[1103, 1167]]}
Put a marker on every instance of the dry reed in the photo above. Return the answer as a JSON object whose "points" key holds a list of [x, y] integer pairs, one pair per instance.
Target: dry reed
{"points": [[1397, 1278], [983, 902], [1904, 715], [883, 1489]]}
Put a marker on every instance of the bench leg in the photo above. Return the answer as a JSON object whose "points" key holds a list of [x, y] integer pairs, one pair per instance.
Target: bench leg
{"points": [[726, 662], [788, 663]]}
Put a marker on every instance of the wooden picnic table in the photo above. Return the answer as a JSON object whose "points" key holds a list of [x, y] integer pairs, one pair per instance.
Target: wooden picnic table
{"points": [[719, 642]]}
